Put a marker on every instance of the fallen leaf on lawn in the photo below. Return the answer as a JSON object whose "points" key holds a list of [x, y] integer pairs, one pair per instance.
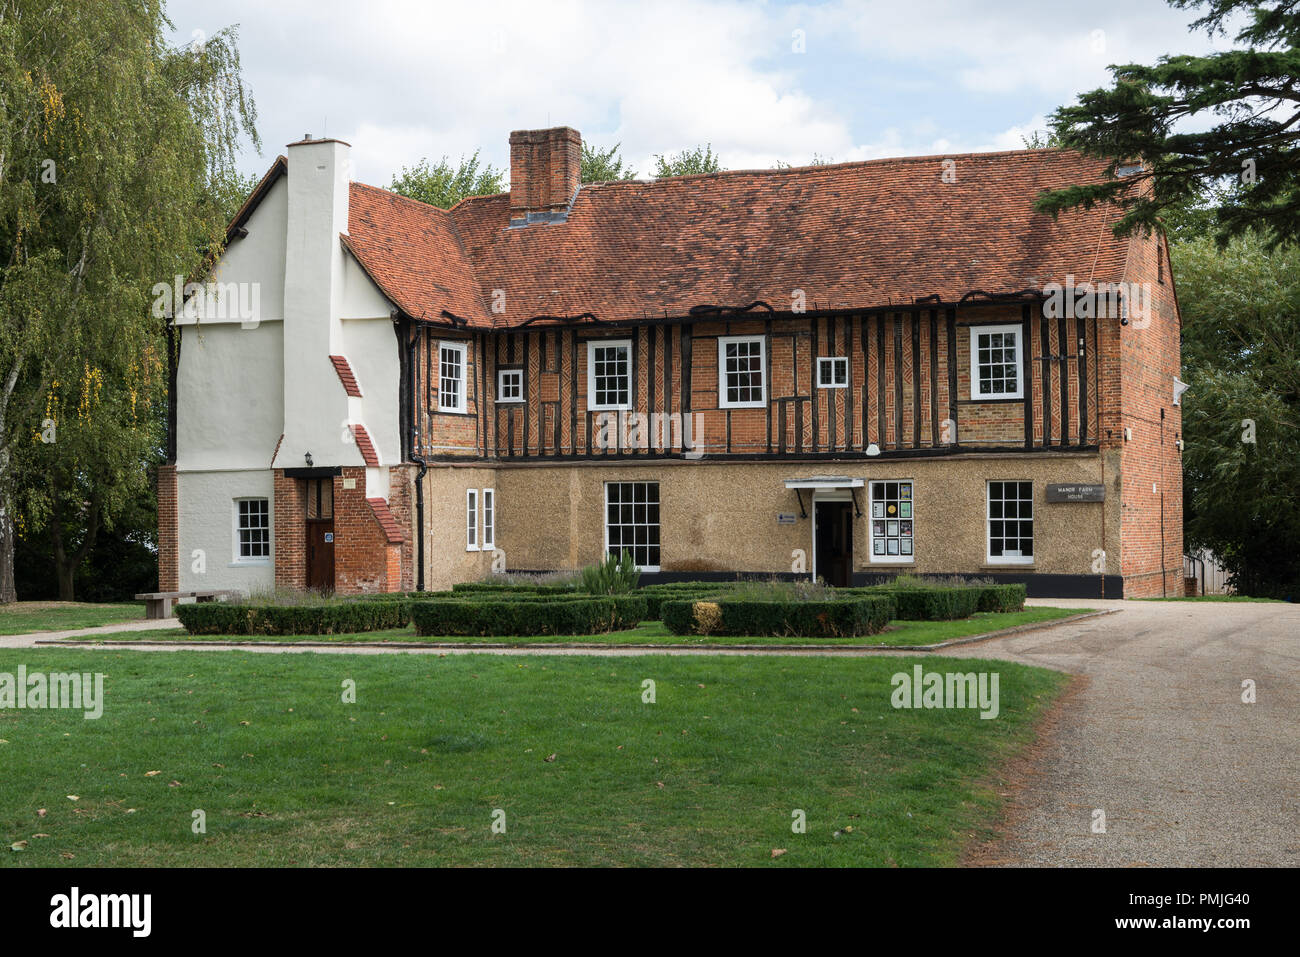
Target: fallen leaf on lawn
{"points": [[34, 836], [150, 774], [17, 845], [549, 757], [40, 812], [3, 741], [130, 810], [67, 856], [659, 784], [74, 797], [245, 723], [218, 765], [778, 851], [174, 784]]}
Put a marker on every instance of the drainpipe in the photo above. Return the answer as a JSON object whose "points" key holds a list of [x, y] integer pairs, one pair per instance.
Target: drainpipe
{"points": [[418, 460]]}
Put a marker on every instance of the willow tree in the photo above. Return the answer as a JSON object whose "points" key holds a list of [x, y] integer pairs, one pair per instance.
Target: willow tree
{"points": [[116, 149]]}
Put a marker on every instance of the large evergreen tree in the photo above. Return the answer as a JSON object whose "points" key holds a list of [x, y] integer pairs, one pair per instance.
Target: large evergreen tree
{"points": [[1222, 129]]}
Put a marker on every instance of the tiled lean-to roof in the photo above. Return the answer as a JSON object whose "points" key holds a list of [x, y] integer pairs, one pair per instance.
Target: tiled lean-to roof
{"points": [[852, 235]]}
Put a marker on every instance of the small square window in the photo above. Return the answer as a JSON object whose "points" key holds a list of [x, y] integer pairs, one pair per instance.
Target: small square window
{"points": [[510, 385], [832, 372]]}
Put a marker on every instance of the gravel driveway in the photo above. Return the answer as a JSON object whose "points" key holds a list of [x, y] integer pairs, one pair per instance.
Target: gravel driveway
{"points": [[1158, 738]]}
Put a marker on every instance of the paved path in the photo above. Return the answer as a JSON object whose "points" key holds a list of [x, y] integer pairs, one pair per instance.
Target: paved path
{"points": [[1156, 735]]}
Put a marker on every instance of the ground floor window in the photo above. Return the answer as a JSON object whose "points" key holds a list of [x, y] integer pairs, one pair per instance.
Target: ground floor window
{"points": [[471, 520], [252, 529], [891, 521], [632, 521], [489, 518], [1011, 522]]}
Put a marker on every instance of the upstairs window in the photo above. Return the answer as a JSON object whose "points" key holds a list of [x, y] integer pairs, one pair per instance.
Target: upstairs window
{"points": [[741, 372], [832, 372], [252, 530], [995, 362], [451, 377], [510, 385], [609, 374]]}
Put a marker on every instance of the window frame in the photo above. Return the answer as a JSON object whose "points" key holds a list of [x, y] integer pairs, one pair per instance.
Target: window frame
{"points": [[832, 361], [978, 393], [659, 524], [723, 342], [592, 346], [989, 557], [501, 377], [462, 381], [488, 534], [238, 558], [887, 559], [471, 520]]}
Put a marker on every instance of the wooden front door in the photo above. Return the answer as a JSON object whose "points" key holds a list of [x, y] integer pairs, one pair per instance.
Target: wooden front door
{"points": [[320, 554], [834, 542]]}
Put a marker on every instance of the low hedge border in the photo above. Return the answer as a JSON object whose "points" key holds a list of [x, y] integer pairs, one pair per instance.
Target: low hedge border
{"points": [[229, 618], [497, 618], [847, 617]]}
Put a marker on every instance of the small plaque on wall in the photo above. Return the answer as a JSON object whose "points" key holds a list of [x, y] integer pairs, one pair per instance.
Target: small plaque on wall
{"points": [[1076, 493], [786, 518]]}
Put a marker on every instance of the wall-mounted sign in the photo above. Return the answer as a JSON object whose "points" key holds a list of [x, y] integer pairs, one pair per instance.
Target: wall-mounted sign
{"points": [[329, 538], [786, 518], [1076, 493]]}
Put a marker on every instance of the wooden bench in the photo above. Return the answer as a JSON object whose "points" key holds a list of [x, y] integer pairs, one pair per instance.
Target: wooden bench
{"points": [[158, 604]]}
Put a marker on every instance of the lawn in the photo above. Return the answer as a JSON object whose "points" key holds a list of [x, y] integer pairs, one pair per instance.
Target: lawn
{"points": [[24, 616], [585, 772], [654, 633]]}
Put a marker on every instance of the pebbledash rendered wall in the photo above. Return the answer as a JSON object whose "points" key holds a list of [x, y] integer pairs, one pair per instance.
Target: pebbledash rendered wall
{"points": [[722, 517]]}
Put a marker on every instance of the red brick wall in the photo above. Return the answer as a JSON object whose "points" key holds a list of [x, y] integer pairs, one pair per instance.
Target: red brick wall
{"points": [[364, 561], [290, 534], [1147, 359], [168, 530]]}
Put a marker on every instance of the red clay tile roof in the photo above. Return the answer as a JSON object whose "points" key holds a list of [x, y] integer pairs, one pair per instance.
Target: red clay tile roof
{"points": [[368, 453], [853, 235], [345, 376], [392, 530]]}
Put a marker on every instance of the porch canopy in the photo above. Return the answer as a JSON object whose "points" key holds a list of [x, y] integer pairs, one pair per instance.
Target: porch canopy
{"points": [[815, 482]]}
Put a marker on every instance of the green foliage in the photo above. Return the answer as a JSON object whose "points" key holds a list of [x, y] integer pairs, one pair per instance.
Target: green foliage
{"points": [[1001, 599], [1241, 356], [1225, 125], [1041, 140], [602, 166], [222, 618], [504, 617], [616, 575], [687, 162], [934, 604], [117, 170], [811, 619], [444, 185]]}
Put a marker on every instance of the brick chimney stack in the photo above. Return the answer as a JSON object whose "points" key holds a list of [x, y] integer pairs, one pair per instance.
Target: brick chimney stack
{"points": [[544, 174]]}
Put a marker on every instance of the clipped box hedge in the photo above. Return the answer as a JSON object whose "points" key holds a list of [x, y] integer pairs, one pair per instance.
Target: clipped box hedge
{"points": [[505, 588], [934, 604], [491, 617], [847, 617], [1002, 598], [229, 618]]}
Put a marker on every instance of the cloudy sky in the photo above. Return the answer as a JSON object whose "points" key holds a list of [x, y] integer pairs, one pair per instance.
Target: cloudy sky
{"points": [[760, 81]]}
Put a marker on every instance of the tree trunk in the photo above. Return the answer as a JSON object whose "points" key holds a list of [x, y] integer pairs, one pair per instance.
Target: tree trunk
{"points": [[8, 593]]}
